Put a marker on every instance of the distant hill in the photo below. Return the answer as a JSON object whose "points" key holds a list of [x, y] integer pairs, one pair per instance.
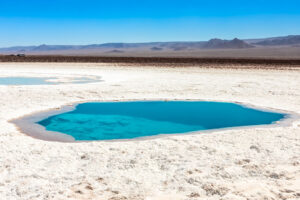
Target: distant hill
{"points": [[156, 49], [45, 47], [227, 44], [115, 51], [287, 41], [151, 46]]}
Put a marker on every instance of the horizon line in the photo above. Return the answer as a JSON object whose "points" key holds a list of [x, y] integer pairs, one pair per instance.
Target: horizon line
{"points": [[44, 44]]}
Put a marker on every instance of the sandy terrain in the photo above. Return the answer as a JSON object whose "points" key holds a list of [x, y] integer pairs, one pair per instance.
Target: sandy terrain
{"points": [[255, 163]]}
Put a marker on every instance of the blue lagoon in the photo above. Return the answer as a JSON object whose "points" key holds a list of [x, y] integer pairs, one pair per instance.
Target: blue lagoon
{"points": [[127, 120]]}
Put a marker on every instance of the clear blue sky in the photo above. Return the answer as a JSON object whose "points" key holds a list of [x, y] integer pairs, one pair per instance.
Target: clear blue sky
{"points": [[33, 22]]}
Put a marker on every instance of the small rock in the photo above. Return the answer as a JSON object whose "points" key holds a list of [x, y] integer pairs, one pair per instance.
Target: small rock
{"points": [[84, 157], [132, 162], [100, 179], [118, 198], [287, 191], [78, 191], [253, 147], [274, 175], [194, 195], [296, 163], [89, 187], [212, 189]]}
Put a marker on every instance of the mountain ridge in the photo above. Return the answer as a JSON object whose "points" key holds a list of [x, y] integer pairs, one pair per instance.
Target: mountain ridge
{"points": [[215, 43]]}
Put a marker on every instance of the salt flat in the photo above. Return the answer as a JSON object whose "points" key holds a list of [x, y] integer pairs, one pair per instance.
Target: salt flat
{"points": [[252, 163]]}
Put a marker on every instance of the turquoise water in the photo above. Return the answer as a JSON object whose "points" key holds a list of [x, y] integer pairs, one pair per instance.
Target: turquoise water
{"points": [[24, 81], [40, 81], [126, 120]]}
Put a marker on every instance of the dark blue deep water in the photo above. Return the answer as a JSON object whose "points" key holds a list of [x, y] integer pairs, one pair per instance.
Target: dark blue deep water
{"points": [[126, 120]]}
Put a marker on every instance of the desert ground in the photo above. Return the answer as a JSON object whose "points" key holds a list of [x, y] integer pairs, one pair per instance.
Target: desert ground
{"points": [[285, 52], [245, 163]]}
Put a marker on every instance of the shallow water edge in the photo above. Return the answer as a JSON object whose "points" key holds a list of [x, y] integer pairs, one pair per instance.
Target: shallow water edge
{"points": [[28, 124], [51, 80]]}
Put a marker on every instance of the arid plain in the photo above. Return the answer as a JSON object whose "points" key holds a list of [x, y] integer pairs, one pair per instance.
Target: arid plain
{"points": [[243, 163]]}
